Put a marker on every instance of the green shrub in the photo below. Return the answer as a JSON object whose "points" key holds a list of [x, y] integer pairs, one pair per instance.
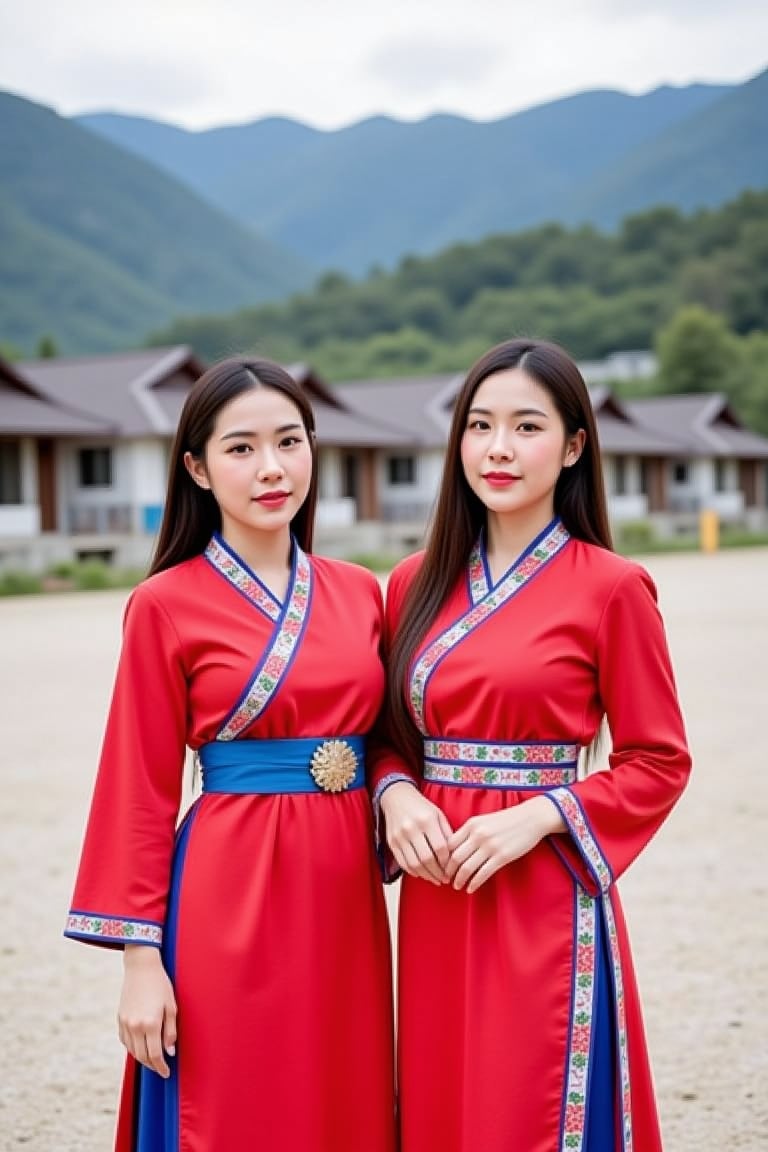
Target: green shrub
{"points": [[636, 535], [92, 575], [19, 583], [741, 538], [127, 577], [64, 570], [376, 561]]}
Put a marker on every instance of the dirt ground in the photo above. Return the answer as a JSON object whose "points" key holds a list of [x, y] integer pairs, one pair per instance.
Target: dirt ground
{"points": [[697, 901]]}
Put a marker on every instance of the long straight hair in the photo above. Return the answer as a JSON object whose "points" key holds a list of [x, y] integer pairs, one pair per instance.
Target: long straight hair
{"points": [[579, 501], [191, 514]]}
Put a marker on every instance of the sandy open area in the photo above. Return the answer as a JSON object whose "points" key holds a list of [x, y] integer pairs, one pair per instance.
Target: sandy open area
{"points": [[697, 901]]}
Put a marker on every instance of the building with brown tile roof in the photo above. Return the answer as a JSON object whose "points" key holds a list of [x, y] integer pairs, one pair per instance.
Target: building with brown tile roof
{"points": [[84, 447]]}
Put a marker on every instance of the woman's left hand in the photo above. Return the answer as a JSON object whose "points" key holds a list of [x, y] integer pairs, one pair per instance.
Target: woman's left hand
{"points": [[486, 843]]}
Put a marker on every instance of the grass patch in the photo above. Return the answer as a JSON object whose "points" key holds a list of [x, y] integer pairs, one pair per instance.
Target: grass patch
{"points": [[19, 584], [376, 561], [69, 576], [738, 538]]}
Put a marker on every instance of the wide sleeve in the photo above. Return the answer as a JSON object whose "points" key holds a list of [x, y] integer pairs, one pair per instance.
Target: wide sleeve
{"points": [[611, 815], [385, 766], [123, 877]]}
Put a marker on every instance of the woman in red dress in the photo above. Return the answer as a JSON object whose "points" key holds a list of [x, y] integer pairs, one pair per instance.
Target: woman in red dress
{"points": [[510, 639], [256, 1004]]}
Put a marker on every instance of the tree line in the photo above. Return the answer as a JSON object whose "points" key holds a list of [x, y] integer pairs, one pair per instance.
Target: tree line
{"points": [[695, 287]]}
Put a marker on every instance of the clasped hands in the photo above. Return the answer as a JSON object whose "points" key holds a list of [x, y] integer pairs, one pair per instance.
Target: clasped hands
{"points": [[424, 844]]}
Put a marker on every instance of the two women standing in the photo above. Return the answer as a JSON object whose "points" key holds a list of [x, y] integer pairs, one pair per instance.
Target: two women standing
{"points": [[263, 931]]}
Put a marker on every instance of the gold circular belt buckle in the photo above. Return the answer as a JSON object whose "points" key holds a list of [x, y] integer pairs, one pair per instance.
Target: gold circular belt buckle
{"points": [[334, 765]]}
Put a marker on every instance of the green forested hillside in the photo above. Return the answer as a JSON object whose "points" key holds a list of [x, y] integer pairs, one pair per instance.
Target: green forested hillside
{"points": [[50, 285], [696, 162], [379, 189], [98, 246], [591, 291]]}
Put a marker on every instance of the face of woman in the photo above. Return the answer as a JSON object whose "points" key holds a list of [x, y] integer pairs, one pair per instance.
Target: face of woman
{"points": [[514, 446], [257, 463]]}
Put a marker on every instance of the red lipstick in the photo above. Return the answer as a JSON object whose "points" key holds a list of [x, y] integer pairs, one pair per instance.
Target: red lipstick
{"points": [[273, 499], [499, 479]]}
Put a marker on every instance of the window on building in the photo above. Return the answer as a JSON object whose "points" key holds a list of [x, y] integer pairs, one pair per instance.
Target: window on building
{"points": [[680, 472], [620, 476], [10, 472], [349, 476], [720, 476], [95, 467], [401, 470]]}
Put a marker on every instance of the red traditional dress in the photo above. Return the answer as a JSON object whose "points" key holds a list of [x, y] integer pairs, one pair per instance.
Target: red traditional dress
{"points": [[519, 1021], [267, 903]]}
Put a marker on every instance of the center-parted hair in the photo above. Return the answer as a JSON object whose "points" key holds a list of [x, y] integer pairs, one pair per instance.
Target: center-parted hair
{"points": [[191, 514], [460, 515]]}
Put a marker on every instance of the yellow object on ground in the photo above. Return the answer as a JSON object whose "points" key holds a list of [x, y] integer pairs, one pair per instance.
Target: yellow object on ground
{"points": [[709, 530]]}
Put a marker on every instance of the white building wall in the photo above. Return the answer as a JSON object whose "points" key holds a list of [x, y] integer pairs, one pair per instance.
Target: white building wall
{"points": [[23, 520], [630, 506], [409, 501], [631, 503], [728, 501], [699, 492], [95, 508], [333, 509], [146, 466], [329, 474], [19, 521], [29, 488], [686, 495]]}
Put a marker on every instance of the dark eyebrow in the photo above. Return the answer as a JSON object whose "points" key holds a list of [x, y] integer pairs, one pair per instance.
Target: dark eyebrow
{"points": [[520, 412], [248, 435]]}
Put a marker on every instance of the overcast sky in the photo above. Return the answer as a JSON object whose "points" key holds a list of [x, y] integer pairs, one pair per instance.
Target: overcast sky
{"points": [[332, 62]]}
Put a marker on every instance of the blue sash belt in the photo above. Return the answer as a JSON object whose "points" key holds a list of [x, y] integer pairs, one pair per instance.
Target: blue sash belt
{"points": [[336, 764]]}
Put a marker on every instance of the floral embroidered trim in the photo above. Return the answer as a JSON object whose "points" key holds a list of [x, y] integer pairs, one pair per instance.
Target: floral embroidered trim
{"points": [[620, 1007], [582, 1013], [384, 783], [545, 752], [276, 660], [233, 570], [478, 583], [113, 928], [540, 554], [484, 776], [573, 814], [378, 792]]}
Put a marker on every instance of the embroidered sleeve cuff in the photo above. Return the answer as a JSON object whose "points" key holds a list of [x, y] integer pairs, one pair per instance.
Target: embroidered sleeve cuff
{"points": [[389, 869], [583, 839], [112, 931], [383, 784]]}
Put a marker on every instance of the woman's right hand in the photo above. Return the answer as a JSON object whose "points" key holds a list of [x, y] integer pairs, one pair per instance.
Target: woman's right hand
{"points": [[147, 1013], [417, 832]]}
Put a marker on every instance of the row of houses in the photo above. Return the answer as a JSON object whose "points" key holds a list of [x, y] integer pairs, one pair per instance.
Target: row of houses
{"points": [[84, 447]]}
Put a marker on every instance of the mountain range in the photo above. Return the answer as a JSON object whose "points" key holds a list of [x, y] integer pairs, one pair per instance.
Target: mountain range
{"points": [[371, 193], [111, 226]]}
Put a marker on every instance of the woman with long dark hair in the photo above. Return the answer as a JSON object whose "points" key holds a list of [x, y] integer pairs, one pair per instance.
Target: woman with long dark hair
{"points": [[256, 1003], [510, 639]]}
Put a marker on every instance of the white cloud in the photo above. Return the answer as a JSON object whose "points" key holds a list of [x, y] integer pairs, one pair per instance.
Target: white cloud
{"points": [[129, 79], [691, 12], [430, 64], [200, 63]]}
